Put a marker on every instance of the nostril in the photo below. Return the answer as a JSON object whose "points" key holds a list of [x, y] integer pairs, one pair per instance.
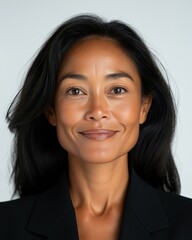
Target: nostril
{"points": [[97, 115], [97, 111]]}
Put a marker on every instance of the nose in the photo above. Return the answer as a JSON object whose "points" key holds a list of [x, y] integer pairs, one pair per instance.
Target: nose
{"points": [[98, 109]]}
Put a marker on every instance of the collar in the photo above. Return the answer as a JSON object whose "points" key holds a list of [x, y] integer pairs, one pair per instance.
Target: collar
{"points": [[143, 212], [53, 215]]}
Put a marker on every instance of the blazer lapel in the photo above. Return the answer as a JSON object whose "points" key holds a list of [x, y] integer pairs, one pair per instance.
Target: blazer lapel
{"points": [[131, 227], [53, 215], [143, 213]]}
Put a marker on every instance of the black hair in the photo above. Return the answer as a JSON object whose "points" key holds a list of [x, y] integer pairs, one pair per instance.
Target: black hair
{"points": [[38, 158]]}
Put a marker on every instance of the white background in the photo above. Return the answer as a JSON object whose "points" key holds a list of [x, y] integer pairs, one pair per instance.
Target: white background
{"points": [[166, 26]]}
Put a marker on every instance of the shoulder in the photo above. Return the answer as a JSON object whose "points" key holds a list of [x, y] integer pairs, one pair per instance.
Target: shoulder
{"points": [[161, 213], [175, 203], [177, 208], [14, 213], [15, 205]]}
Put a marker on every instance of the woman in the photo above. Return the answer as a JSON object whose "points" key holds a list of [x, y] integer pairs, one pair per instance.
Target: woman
{"points": [[93, 127]]}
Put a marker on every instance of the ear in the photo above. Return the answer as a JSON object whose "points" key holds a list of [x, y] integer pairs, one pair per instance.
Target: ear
{"points": [[50, 115], [146, 104]]}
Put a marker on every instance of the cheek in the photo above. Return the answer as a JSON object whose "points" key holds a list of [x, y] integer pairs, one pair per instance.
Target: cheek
{"points": [[129, 118], [68, 115], [128, 113]]}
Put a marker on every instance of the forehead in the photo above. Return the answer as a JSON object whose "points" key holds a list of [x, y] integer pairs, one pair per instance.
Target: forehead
{"points": [[95, 42], [95, 46], [97, 52]]}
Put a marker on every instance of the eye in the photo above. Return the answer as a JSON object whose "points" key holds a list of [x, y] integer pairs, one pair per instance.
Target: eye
{"points": [[74, 91], [118, 90]]}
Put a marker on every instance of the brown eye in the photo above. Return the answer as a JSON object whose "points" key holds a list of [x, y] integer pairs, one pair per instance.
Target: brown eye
{"points": [[74, 91], [118, 90]]}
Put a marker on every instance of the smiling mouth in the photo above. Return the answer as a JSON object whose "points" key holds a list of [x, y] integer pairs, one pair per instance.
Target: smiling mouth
{"points": [[98, 134]]}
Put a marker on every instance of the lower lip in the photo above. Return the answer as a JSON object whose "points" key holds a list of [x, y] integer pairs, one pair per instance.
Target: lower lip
{"points": [[98, 136]]}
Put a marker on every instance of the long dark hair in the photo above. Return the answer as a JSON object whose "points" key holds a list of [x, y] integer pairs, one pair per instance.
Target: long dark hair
{"points": [[38, 158]]}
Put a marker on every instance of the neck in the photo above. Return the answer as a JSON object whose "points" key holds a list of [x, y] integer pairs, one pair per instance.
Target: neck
{"points": [[98, 187]]}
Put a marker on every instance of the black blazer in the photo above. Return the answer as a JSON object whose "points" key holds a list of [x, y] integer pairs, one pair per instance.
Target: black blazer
{"points": [[148, 214]]}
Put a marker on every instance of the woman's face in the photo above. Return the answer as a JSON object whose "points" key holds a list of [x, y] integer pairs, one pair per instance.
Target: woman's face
{"points": [[98, 103]]}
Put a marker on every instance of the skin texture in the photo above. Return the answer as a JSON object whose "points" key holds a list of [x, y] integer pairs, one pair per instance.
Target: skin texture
{"points": [[97, 113]]}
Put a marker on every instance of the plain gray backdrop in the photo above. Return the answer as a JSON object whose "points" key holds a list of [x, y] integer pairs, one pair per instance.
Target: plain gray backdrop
{"points": [[166, 26]]}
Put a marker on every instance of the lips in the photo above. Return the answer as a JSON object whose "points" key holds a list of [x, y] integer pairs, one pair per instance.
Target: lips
{"points": [[98, 134]]}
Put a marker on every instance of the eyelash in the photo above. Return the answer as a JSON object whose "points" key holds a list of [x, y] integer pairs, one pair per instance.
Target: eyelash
{"points": [[119, 87], [72, 89], [69, 91]]}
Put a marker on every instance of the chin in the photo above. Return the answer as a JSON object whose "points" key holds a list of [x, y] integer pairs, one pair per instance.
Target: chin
{"points": [[102, 158]]}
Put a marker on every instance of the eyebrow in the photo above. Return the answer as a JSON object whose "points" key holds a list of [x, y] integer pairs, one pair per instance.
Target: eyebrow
{"points": [[119, 75], [107, 77], [73, 76]]}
